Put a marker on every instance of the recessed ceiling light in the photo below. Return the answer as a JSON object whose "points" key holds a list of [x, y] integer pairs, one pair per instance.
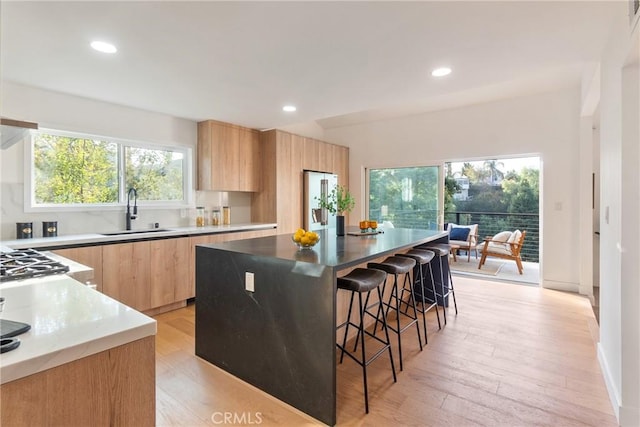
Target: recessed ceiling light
{"points": [[289, 108], [103, 47], [441, 72]]}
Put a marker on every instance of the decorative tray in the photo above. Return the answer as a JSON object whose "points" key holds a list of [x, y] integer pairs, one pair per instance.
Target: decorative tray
{"points": [[367, 233]]}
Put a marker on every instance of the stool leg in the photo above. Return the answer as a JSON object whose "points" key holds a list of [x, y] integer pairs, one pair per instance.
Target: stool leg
{"points": [[386, 334], [424, 314], [346, 331], [444, 308], [394, 293], [453, 292], [433, 289], [364, 356], [412, 300]]}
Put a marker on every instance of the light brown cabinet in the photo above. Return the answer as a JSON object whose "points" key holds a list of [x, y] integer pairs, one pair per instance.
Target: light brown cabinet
{"points": [[170, 271], [113, 387], [150, 275], [228, 157], [126, 273], [317, 156], [284, 158], [91, 256]]}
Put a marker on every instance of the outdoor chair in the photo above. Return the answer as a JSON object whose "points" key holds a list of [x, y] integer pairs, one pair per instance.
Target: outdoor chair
{"points": [[465, 236], [505, 245]]}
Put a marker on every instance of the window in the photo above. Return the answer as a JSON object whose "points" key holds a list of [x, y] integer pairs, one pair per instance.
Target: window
{"points": [[408, 197], [79, 170]]}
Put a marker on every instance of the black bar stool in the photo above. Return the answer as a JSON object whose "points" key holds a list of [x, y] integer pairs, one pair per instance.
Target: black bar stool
{"points": [[399, 265], [442, 250], [364, 280], [423, 258]]}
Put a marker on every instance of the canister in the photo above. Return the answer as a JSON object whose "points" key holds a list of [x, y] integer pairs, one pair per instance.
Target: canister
{"points": [[226, 215], [24, 230], [215, 216], [200, 216], [49, 228]]}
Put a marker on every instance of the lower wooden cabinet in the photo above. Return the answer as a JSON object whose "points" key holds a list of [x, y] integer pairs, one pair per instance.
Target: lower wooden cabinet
{"points": [[170, 271], [126, 273], [115, 387], [152, 274], [91, 256]]}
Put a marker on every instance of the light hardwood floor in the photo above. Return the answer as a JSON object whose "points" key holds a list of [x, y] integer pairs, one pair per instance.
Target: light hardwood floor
{"points": [[514, 356]]}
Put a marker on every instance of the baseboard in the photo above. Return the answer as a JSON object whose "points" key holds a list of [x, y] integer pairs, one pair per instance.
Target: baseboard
{"points": [[561, 286], [608, 380]]}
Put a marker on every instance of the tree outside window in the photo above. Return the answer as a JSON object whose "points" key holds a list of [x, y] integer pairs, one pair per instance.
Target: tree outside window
{"points": [[71, 170]]}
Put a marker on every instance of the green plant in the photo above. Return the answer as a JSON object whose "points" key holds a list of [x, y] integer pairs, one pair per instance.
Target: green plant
{"points": [[338, 201]]}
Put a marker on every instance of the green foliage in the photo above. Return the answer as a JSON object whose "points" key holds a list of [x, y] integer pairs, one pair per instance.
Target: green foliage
{"points": [[405, 196], [451, 187], [338, 201], [155, 174], [70, 170], [514, 204], [75, 170]]}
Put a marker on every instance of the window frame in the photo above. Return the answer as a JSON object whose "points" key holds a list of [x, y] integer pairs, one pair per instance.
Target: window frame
{"points": [[30, 204]]}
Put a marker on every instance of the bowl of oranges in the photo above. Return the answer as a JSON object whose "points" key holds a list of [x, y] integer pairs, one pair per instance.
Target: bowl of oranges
{"points": [[305, 239]]}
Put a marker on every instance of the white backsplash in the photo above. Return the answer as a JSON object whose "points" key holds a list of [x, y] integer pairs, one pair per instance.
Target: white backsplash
{"points": [[113, 219]]}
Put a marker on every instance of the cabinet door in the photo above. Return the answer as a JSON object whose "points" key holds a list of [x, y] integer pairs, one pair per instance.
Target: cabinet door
{"points": [[227, 164], [169, 271], [125, 274], [91, 256], [341, 164], [228, 157], [249, 169], [289, 177], [311, 154], [325, 157]]}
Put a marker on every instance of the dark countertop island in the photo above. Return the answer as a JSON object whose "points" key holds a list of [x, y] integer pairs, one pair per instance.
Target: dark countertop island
{"points": [[281, 337]]}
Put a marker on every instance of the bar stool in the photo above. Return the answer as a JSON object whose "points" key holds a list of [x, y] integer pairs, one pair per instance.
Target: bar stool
{"points": [[364, 280], [423, 257], [399, 265], [442, 250]]}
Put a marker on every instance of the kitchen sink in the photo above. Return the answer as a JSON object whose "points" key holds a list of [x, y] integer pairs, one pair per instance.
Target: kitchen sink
{"points": [[125, 232]]}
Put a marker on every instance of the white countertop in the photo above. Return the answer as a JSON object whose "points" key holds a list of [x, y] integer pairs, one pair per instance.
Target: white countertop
{"points": [[80, 239], [68, 321]]}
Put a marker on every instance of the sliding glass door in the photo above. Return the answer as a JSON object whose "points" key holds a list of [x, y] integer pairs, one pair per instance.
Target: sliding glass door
{"points": [[408, 197]]}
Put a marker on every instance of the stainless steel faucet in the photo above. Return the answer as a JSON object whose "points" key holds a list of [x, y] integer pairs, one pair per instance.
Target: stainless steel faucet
{"points": [[129, 216]]}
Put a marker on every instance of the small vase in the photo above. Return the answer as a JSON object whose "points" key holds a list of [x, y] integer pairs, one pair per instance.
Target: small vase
{"points": [[340, 225]]}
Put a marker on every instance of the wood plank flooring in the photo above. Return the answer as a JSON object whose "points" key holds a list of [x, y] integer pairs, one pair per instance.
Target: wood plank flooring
{"points": [[513, 356]]}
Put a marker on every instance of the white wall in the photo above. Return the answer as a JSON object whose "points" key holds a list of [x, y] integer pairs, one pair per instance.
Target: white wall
{"points": [[619, 345], [547, 125], [71, 113]]}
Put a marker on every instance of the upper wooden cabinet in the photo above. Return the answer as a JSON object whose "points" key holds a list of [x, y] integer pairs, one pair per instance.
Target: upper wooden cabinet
{"points": [[318, 156], [228, 157]]}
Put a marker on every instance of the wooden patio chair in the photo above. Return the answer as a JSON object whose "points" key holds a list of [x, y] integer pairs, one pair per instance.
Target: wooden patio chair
{"points": [[498, 246]]}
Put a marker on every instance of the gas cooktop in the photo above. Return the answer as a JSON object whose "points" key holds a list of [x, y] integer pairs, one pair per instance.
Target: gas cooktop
{"points": [[27, 263]]}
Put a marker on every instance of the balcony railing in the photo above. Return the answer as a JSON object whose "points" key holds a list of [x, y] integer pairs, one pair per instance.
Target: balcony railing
{"points": [[491, 223]]}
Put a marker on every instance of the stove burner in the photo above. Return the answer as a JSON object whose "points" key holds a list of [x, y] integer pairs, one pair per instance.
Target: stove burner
{"points": [[27, 263]]}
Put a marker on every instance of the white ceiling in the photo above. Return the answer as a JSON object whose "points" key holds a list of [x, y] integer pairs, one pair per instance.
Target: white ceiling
{"points": [[339, 62]]}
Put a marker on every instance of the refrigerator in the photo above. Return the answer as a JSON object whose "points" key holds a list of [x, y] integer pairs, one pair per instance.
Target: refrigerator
{"points": [[317, 184]]}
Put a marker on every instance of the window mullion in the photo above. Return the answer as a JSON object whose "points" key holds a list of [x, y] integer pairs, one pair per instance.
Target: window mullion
{"points": [[122, 179]]}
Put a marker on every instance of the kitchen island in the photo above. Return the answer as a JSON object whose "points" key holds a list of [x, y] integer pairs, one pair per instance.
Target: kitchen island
{"points": [[281, 336]]}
